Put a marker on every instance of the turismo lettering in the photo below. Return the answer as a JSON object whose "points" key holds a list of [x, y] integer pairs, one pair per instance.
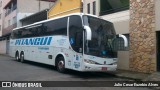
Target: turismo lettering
{"points": [[34, 41]]}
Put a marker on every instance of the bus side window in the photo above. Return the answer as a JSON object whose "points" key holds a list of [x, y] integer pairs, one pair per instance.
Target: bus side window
{"points": [[79, 39], [42, 30], [19, 35], [56, 27]]}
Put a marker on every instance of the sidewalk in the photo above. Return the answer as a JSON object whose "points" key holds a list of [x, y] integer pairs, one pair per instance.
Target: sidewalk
{"points": [[4, 54], [131, 75], [139, 76]]}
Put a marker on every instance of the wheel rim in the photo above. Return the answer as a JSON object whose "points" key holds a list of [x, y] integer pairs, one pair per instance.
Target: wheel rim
{"points": [[61, 65], [17, 57], [22, 58]]}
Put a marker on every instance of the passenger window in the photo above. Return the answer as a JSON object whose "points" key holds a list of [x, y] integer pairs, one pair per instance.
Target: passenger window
{"points": [[56, 27]]}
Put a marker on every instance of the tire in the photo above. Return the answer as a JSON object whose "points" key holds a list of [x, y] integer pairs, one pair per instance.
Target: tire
{"points": [[61, 65], [17, 56], [22, 58]]}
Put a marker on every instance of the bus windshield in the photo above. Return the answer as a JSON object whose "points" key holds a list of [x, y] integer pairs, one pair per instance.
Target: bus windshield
{"points": [[103, 33]]}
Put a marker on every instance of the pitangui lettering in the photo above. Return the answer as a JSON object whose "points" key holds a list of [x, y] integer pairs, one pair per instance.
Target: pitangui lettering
{"points": [[34, 41]]}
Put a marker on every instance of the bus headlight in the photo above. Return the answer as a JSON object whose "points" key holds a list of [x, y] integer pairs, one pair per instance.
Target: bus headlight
{"points": [[90, 61]]}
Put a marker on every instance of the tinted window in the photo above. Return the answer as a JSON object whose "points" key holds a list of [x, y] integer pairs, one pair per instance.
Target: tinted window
{"points": [[111, 6], [103, 33], [56, 27], [76, 32], [17, 33], [28, 32], [32, 32], [118, 44]]}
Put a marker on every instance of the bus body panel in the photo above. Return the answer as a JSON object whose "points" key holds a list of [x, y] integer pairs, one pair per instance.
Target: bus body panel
{"points": [[39, 53]]}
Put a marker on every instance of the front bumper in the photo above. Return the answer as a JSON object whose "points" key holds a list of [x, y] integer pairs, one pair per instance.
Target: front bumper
{"points": [[99, 68]]}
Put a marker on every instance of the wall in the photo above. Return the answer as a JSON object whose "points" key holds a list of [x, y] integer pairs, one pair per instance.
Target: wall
{"points": [[142, 36], [123, 60], [4, 3], [120, 21], [20, 16], [64, 7], [32, 6], [28, 7], [3, 47], [9, 17]]}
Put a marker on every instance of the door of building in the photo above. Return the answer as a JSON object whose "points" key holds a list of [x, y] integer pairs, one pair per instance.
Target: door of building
{"points": [[158, 51], [7, 46]]}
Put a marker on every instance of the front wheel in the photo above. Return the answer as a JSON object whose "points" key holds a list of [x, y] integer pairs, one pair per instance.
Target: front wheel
{"points": [[61, 65]]}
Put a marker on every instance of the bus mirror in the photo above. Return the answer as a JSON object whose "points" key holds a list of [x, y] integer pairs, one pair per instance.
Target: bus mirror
{"points": [[125, 40], [88, 31]]}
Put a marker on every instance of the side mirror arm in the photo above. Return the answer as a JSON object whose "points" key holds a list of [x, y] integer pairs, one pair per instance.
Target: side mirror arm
{"points": [[89, 32], [125, 40]]}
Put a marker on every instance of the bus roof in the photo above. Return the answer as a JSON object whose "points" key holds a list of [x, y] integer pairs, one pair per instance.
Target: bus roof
{"points": [[79, 14]]}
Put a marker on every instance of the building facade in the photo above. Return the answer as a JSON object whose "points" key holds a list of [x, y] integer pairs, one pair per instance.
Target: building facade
{"points": [[12, 11], [64, 7], [139, 21]]}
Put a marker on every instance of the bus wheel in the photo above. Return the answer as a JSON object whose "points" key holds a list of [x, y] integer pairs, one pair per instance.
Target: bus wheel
{"points": [[17, 57], [22, 58], [61, 65]]}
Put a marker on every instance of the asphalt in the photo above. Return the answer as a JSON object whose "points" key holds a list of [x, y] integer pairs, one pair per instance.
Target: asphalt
{"points": [[119, 73], [11, 70]]}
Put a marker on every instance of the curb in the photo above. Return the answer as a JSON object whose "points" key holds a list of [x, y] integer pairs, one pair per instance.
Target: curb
{"points": [[123, 77], [4, 55]]}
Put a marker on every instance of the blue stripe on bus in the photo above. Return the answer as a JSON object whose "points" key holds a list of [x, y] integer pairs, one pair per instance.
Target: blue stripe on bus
{"points": [[34, 41]]}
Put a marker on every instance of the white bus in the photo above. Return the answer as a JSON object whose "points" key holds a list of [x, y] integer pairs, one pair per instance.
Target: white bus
{"points": [[77, 41]]}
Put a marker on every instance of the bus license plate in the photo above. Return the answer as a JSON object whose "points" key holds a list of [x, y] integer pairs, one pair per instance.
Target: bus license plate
{"points": [[104, 68]]}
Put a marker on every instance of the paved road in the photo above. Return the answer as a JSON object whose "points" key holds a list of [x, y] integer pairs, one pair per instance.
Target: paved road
{"points": [[11, 70]]}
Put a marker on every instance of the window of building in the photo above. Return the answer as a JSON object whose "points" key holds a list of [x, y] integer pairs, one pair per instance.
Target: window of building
{"points": [[9, 22], [94, 8], [14, 20], [112, 6], [118, 44], [88, 8], [10, 7], [14, 7]]}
